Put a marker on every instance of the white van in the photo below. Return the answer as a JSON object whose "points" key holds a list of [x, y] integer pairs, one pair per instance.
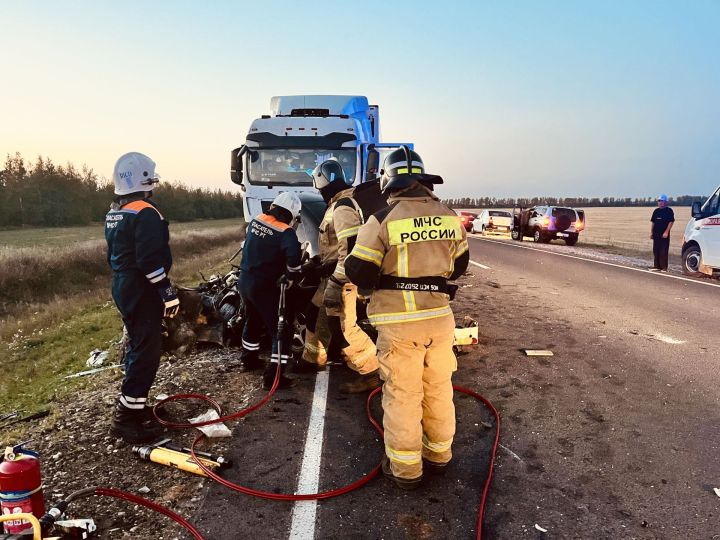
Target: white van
{"points": [[701, 240]]}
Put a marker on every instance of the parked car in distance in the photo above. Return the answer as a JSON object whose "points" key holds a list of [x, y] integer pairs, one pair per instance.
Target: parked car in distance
{"points": [[544, 223], [492, 221], [466, 218]]}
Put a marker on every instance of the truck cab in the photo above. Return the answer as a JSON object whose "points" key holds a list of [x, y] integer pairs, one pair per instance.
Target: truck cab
{"points": [[282, 149], [701, 239]]}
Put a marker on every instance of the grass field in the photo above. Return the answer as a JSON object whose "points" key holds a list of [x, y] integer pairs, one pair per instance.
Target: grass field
{"points": [[627, 228], [64, 236], [52, 337]]}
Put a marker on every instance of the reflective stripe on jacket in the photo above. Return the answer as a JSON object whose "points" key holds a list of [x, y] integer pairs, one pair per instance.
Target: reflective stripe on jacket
{"points": [[416, 236], [338, 230]]}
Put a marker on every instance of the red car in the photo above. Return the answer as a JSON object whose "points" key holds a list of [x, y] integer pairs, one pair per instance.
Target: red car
{"points": [[466, 218]]}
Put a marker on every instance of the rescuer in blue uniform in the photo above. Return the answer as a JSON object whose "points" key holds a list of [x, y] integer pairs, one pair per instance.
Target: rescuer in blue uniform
{"points": [[271, 250], [139, 255]]}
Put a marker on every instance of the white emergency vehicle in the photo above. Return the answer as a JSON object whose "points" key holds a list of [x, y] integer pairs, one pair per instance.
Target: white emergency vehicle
{"points": [[701, 239]]}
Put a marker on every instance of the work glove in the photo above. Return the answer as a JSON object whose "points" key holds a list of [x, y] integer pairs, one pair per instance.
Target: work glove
{"points": [[327, 268], [364, 294], [311, 270], [170, 299], [333, 295]]}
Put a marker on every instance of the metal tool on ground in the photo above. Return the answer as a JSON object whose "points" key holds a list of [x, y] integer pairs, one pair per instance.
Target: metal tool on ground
{"points": [[160, 453], [537, 352]]}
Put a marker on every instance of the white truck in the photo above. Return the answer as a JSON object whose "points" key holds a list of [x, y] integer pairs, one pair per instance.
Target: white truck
{"points": [[701, 239], [282, 149]]}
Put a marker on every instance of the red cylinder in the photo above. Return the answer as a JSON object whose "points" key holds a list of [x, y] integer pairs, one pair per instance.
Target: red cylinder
{"points": [[21, 489]]}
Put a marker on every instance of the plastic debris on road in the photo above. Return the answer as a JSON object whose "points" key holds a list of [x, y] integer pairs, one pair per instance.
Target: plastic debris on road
{"points": [[212, 430], [717, 491], [537, 352], [539, 528], [97, 358]]}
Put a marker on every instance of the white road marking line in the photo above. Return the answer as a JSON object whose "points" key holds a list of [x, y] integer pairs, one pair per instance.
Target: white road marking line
{"points": [[303, 516], [480, 265], [659, 274]]}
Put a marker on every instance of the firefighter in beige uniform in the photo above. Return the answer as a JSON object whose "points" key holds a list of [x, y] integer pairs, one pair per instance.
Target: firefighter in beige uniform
{"points": [[336, 298], [406, 254]]}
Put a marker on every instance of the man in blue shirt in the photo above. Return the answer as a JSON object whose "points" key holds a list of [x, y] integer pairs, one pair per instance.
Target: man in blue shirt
{"points": [[139, 255], [662, 222]]}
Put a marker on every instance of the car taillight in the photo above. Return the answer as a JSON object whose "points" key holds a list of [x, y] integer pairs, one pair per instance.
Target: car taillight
{"points": [[579, 225]]}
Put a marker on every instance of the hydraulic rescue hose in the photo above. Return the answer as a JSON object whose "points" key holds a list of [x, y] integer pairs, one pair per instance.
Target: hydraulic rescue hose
{"points": [[291, 496], [53, 514], [325, 494]]}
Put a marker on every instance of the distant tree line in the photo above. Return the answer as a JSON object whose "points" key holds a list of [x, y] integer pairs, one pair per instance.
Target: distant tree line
{"points": [[493, 202], [47, 195]]}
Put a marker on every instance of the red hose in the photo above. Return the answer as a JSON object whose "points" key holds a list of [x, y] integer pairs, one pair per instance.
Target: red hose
{"points": [[325, 494], [110, 492]]}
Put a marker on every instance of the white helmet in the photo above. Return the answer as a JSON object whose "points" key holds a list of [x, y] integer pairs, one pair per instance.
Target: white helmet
{"points": [[289, 201], [134, 172]]}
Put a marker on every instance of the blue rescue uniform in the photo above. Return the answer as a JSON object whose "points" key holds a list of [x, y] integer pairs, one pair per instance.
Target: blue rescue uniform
{"points": [[139, 255], [271, 249]]}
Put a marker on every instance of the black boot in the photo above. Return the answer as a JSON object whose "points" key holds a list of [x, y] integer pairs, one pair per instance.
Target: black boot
{"points": [[362, 383], [269, 377], [250, 360], [407, 484], [303, 366], [132, 426]]}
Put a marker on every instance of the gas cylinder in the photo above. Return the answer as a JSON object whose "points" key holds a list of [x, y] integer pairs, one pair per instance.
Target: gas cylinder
{"points": [[20, 487]]}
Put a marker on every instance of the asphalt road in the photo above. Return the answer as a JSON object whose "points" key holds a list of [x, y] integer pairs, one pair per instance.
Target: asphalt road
{"points": [[615, 436]]}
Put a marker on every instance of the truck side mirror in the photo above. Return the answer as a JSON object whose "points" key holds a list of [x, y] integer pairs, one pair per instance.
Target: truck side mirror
{"points": [[696, 212], [236, 164]]}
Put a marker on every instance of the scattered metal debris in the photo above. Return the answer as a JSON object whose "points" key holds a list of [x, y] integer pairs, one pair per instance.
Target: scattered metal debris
{"points": [[91, 371], [97, 358], [537, 352]]}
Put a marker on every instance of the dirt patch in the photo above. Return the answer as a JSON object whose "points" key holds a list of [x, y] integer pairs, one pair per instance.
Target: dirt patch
{"points": [[77, 451]]}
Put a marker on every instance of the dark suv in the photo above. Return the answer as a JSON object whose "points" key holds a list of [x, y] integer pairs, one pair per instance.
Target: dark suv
{"points": [[544, 223]]}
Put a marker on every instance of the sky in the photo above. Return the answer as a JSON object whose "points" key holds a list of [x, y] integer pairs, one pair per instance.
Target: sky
{"points": [[511, 98]]}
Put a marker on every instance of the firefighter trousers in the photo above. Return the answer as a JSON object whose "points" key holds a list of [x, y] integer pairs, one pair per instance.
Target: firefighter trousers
{"points": [[416, 363], [338, 331]]}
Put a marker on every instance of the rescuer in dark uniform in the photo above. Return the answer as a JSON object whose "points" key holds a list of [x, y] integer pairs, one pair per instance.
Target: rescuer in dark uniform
{"points": [[139, 255], [271, 250]]}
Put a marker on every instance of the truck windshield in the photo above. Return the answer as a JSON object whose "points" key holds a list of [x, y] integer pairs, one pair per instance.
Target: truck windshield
{"points": [[293, 167]]}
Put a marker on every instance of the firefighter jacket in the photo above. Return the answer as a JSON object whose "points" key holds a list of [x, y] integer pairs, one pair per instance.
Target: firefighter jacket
{"points": [[338, 231], [271, 249], [407, 252], [138, 251]]}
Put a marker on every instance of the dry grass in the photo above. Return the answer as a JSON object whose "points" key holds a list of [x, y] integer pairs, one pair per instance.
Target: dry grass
{"points": [[626, 229], [629, 228], [36, 282]]}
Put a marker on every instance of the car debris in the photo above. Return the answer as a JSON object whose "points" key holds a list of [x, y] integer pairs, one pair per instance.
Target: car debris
{"points": [[91, 371], [76, 528], [466, 335], [537, 352], [539, 528], [97, 358], [717, 491], [212, 430]]}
